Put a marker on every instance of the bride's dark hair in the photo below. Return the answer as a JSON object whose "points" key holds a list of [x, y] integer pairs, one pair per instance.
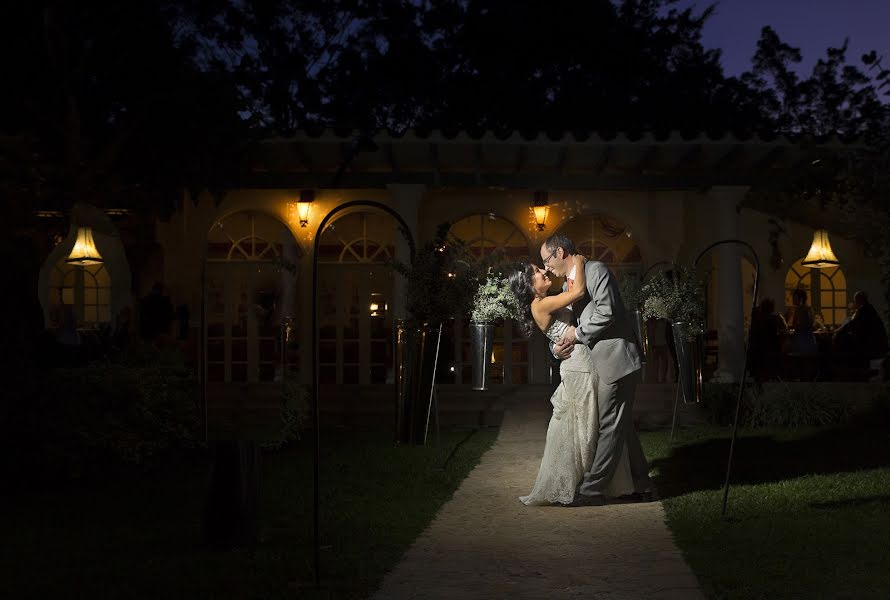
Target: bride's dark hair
{"points": [[521, 285]]}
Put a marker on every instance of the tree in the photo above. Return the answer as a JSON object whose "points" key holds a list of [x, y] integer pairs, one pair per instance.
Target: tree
{"points": [[108, 103], [478, 65], [852, 186]]}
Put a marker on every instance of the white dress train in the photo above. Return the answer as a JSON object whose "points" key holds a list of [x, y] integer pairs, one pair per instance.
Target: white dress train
{"points": [[573, 430]]}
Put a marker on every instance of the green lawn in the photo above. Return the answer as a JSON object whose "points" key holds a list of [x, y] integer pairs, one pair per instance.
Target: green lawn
{"points": [[141, 537], [808, 514]]}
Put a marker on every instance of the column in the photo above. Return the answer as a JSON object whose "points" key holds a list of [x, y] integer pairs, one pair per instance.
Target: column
{"points": [[730, 311], [406, 201]]}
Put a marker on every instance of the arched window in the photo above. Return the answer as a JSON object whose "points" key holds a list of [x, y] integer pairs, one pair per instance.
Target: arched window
{"points": [[87, 289], [355, 297], [360, 237], [246, 298], [244, 237], [603, 238], [487, 233], [826, 291]]}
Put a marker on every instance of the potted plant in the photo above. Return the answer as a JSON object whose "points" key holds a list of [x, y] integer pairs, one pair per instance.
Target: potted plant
{"points": [[440, 282], [678, 296], [493, 301]]}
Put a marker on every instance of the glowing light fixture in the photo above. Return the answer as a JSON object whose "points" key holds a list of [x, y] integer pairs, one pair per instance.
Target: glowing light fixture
{"points": [[307, 197], [378, 306], [820, 255], [541, 209], [84, 251]]}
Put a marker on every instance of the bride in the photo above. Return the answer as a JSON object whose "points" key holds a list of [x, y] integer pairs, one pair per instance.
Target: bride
{"points": [[574, 426]]}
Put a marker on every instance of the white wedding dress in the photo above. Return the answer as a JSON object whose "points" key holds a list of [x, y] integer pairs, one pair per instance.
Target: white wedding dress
{"points": [[573, 430]]}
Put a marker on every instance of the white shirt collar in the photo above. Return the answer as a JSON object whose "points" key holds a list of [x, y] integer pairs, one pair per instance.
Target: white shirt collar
{"points": [[571, 274]]}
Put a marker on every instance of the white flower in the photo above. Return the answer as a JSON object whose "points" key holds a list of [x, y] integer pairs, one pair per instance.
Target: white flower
{"points": [[494, 301]]}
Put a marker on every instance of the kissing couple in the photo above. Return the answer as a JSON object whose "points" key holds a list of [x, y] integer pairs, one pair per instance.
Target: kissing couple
{"points": [[592, 455]]}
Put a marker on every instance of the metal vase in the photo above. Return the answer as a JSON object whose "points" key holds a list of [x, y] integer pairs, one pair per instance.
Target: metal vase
{"points": [[482, 341], [639, 327], [414, 368], [689, 361]]}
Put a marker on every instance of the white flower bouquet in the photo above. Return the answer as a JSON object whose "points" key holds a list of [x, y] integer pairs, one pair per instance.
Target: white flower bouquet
{"points": [[494, 301]]}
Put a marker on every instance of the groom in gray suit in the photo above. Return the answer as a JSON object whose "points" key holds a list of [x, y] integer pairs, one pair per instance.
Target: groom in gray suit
{"points": [[602, 325]]}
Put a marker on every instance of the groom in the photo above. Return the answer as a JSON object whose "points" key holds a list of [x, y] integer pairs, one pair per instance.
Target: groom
{"points": [[602, 324]]}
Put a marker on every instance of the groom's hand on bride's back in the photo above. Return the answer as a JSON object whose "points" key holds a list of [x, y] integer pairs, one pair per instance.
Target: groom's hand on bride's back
{"points": [[563, 348]]}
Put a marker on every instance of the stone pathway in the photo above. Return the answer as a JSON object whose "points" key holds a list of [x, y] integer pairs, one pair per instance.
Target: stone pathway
{"points": [[486, 544]]}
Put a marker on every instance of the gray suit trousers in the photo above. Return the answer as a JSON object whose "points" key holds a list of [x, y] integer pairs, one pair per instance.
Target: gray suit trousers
{"points": [[616, 402]]}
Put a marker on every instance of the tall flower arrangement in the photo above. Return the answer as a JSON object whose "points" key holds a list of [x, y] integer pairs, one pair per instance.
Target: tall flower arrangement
{"points": [[676, 295], [494, 301]]}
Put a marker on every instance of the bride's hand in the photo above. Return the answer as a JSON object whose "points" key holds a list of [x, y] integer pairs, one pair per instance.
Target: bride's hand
{"points": [[579, 260]]}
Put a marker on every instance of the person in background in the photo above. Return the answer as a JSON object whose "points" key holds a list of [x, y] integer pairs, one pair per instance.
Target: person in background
{"points": [[863, 336], [801, 323], [767, 330]]}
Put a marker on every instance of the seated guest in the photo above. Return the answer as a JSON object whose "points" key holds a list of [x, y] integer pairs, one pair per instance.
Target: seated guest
{"points": [[863, 336], [801, 323]]}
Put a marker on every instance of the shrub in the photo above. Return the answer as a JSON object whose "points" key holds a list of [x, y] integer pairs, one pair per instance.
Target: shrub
{"points": [[798, 405], [85, 421]]}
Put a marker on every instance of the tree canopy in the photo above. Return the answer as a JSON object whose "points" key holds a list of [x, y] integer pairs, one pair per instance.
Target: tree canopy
{"points": [[146, 97]]}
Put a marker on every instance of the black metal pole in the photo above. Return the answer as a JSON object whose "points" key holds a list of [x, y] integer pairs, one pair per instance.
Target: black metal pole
{"points": [[315, 417], [738, 404]]}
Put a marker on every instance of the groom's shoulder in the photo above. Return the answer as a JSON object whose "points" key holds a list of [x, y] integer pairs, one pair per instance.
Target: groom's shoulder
{"points": [[595, 266]]}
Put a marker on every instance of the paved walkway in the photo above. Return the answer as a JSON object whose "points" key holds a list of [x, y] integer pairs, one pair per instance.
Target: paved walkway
{"points": [[486, 544]]}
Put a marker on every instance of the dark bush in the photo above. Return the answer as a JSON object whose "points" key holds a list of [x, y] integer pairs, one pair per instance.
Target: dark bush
{"points": [[88, 421], [778, 405]]}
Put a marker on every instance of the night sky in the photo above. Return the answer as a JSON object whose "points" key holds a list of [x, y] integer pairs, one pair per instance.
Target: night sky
{"points": [[811, 25]]}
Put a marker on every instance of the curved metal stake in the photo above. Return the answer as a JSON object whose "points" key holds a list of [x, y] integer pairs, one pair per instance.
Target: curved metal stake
{"points": [[676, 404], [429, 407], [319, 231], [738, 404]]}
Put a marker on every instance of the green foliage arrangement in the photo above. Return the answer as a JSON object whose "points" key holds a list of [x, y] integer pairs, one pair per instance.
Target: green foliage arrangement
{"points": [[441, 279], [631, 287]]}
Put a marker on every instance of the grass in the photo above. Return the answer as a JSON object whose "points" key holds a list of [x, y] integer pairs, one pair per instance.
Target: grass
{"points": [[808, 513], [141, 537]]}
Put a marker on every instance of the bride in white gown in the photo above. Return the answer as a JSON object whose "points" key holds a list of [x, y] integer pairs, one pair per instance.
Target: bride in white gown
{"points": [[574, 426]]}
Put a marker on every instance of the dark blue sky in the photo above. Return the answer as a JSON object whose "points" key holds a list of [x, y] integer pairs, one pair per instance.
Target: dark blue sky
{"points": [[811, 25]]}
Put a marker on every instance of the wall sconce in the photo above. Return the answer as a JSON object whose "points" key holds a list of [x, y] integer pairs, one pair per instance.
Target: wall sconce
{"points": [[820, 255], [307, 197], [541, 209], [84, 252]]}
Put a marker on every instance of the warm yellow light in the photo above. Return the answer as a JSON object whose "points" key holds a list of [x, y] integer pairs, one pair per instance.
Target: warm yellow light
{"points": [[820, 254], [84, 251], [301, 207], [541, 209]]}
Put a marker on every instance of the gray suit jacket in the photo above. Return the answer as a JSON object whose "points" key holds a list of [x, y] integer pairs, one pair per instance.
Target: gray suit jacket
{"points": [[604, 327]]}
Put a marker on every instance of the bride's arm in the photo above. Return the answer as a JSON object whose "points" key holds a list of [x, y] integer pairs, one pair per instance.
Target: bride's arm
{"points": [[551, 304]]}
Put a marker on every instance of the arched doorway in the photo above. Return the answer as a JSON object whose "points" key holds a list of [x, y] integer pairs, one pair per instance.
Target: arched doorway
{"points": [[250, 273], [355, 298], [485, 234], [248, 294]]}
